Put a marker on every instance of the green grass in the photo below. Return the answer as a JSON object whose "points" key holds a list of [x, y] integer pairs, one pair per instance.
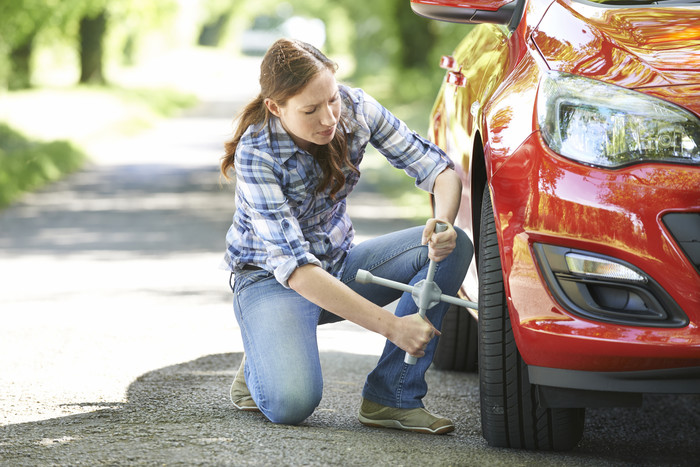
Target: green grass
{"points": [[26, 165], [42, 131]]}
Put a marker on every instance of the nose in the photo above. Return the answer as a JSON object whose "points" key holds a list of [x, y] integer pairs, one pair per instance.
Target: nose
{"points": [[328, 116]]}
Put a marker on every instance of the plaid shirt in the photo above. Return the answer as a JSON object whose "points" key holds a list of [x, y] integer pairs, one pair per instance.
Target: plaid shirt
{"points": [[280, 223]]}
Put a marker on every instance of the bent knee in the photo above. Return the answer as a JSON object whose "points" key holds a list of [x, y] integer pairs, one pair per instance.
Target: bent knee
{"points": [[463, 246], [291, 406]]}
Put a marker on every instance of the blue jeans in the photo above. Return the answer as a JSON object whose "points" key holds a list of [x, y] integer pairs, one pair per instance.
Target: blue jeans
{"points": [[278, 327]]}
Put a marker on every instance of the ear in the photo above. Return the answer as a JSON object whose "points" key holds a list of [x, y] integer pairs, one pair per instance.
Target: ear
{"points": [[272, 107]]}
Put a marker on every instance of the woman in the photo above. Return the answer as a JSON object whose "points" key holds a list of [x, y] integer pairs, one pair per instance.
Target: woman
{"points": [[295, 153]]}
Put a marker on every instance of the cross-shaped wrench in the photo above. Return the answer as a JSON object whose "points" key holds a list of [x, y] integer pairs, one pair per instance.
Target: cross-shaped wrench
{"points": [[426, 293]]}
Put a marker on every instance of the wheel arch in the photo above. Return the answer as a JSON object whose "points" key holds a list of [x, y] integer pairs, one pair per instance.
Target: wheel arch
{"points": [[478, 182]]}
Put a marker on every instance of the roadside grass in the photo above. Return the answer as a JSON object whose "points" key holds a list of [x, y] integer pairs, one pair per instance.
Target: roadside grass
{"points": [[26, 164], [44, 132]]}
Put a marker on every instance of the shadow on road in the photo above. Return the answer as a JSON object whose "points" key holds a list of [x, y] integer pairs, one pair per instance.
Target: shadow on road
{"points": [[181, 415]]}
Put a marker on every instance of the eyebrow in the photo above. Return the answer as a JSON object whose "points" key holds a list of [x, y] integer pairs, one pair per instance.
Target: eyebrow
{"points": [[308, 106]]}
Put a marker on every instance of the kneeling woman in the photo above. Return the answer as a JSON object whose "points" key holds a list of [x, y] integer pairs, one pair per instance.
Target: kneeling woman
{"points": [[295, 154]]}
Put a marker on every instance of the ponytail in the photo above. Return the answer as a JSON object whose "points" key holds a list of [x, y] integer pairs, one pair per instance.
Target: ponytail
{"points": [[253, 113]]}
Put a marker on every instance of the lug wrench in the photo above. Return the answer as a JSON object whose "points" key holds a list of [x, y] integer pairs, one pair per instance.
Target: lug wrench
{"points": [[426, 293]]}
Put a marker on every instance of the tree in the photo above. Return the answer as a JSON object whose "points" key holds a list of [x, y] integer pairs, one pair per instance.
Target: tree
{"points": [[21, 23], [25, 23], [21, 60], [92, 34], [95, 18], [416, 37]]}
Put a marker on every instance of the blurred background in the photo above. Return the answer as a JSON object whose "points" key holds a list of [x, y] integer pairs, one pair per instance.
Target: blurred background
{"points": [[71, 70], [112, 271]]}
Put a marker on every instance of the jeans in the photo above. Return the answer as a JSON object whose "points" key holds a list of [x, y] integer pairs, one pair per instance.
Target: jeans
{"points": [[278, 327]]}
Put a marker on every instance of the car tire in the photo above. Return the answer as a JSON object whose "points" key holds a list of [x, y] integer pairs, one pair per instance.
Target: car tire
{"points": [[510, 414], [457, 349]]}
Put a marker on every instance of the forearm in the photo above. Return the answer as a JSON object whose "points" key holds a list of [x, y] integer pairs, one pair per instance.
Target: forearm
{"points": [[324, 290], [447, 192]]}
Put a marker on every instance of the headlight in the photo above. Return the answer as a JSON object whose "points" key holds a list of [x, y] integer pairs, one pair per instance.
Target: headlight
{"points": [[609, 126]]}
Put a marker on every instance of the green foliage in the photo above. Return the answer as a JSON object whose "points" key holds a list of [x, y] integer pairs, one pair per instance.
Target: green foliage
{"points": [[216, 16], [26, 165], [395, 52], [27, 24]]}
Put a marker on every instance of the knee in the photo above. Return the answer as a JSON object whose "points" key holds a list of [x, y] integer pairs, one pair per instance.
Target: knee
{"points": [[464, 246], [457, 263], [291, 405]]}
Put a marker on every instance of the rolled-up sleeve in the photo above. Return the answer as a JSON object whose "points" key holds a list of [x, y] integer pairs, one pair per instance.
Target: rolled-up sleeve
{"points": [[277, 231], [403, 148]]}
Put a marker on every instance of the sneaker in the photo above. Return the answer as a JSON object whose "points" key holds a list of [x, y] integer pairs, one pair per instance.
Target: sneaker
{"points": [[240, 395], [417, 420]]}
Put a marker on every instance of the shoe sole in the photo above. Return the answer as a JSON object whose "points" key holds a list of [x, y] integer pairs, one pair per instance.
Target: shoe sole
{"points": [[397, 425], [246, 408]]}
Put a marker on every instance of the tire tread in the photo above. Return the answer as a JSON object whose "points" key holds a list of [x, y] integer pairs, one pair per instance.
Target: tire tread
{"points": [[510, 414]]}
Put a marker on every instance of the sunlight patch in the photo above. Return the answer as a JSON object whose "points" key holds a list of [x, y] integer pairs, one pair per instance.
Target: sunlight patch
{"points": [[55, 441]]}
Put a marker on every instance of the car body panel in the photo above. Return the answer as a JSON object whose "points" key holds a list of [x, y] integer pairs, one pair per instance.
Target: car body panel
{"points": [[634, 48], [489, 128]]}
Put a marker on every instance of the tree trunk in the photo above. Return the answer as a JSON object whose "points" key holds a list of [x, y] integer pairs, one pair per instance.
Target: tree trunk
{"points": [[21, 65], [213, 31], [92, 32]]}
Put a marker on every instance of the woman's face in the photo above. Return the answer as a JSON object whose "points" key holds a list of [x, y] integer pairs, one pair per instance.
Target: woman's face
{"points": [[311, 117]]}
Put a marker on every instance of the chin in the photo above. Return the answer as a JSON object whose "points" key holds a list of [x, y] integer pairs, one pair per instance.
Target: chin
{"points": [[325, 140]]}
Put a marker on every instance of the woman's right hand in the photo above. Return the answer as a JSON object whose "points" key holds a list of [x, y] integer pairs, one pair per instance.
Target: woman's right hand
{"points": [[413, 334]]}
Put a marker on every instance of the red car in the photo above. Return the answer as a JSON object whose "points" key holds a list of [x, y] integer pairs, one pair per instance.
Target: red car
{"points": [[575, 128]]}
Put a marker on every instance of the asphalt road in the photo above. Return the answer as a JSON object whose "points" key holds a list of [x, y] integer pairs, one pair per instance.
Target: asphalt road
{"points": [[118, 341]]}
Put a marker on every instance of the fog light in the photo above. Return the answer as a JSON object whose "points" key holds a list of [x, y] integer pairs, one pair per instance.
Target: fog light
{"points": [[607, 289], [597, 267]]}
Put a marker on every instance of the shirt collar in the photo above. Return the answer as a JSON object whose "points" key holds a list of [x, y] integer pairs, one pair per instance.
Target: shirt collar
{"points": [[281, 141]]}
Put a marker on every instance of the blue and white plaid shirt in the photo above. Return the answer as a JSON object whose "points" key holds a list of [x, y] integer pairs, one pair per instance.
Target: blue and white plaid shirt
{"points": [[280, 222]]}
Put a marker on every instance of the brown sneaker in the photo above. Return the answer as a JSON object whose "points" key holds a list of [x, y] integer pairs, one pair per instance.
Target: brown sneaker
{"points": [[240, 395], [417, 420]]}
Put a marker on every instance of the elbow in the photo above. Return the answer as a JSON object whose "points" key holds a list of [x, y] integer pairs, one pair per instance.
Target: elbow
{"points": [[457, 179], [299, 277], [449, 178]]}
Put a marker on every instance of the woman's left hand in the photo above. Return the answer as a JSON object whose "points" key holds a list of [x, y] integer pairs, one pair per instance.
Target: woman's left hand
{"points": [[440, 245]]}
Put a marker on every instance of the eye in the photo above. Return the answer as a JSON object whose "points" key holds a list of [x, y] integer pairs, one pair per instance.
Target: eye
{"points": [[309, 112]]}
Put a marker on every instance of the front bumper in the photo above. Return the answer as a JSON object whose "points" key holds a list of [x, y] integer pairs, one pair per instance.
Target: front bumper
{"points": [[542, 198], [558, 388], [663, 381]]}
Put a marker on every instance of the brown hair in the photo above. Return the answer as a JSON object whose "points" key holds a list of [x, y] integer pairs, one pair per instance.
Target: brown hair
{"points": [[286, 69]]}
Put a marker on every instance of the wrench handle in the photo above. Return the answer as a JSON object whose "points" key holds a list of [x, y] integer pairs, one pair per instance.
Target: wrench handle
{"points": [[439, 227]]}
